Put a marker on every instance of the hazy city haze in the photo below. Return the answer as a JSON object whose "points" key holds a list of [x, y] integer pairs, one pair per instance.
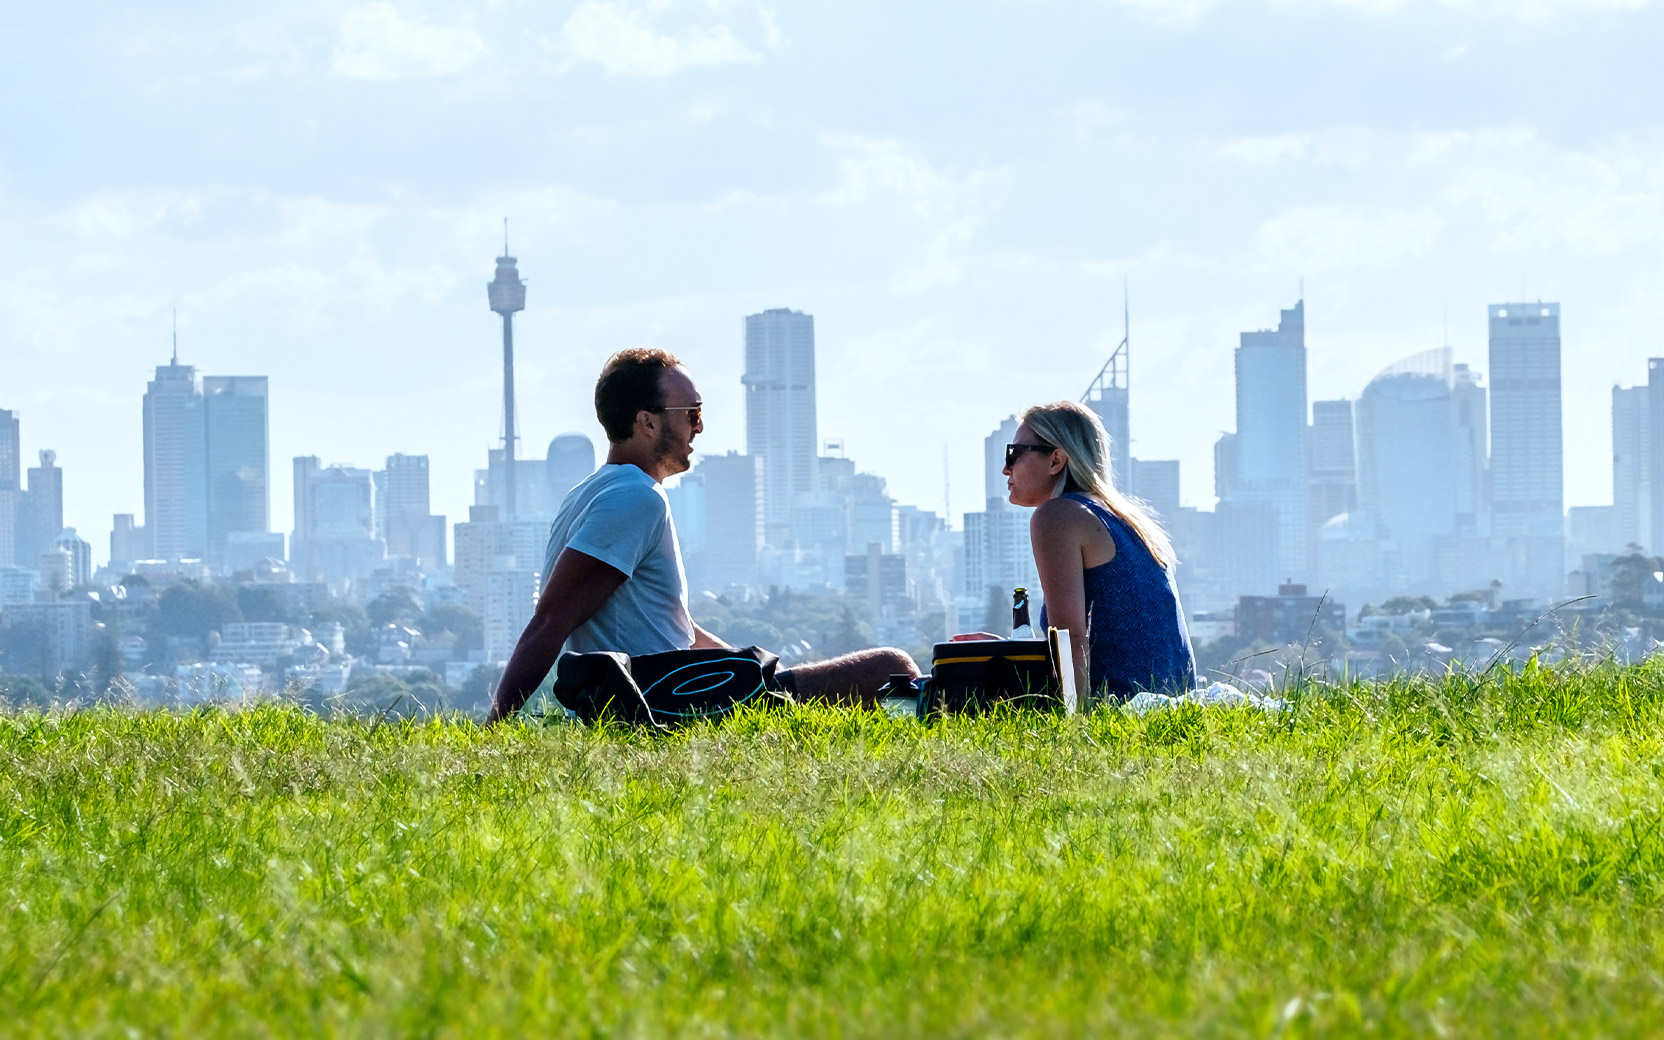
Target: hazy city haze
{"points": [[955, 192]]}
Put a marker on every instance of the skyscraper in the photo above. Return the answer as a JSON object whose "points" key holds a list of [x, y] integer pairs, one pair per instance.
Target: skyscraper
{"points": [[237, 462], [1156, 483], [1527, 484], [1270, 445], [11, 451], [1631, 467], [1655, 454], [1110, 397], [11, 487], [1471, 455], [40, 516], [780, 425], [571, 458], [337, 531], [175, 500], [1406, 480], [993, 461], [410, 530], [730, 524], [1334, 458]]}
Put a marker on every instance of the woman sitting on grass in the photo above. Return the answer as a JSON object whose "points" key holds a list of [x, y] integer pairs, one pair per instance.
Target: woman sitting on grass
{"points": [[1106, 566]]}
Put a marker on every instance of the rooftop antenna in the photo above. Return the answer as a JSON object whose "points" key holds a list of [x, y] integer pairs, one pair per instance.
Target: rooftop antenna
{"points": [[947, 492], [176, 335], [1108, 396], [505, 236]]}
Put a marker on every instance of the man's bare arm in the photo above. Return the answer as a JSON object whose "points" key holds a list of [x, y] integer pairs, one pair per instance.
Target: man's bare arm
{"points": [[576, 589], [703, 640]]}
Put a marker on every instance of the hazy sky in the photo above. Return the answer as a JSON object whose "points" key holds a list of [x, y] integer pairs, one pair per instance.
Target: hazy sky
{"points": [[954, 190]]}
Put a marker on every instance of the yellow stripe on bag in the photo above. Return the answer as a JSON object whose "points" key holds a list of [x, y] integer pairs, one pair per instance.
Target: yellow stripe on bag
{"points": [[985, 660]]}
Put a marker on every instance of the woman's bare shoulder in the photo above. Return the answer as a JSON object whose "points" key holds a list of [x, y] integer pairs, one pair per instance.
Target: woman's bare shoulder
{"points": [[1061, 514]]}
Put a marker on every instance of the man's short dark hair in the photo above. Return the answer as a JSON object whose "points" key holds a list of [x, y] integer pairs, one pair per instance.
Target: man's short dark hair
{"points": [[629, 384]]}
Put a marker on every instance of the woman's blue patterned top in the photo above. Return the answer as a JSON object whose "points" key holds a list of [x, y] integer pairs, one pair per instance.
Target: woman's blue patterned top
{"points": [[1134, 623]]}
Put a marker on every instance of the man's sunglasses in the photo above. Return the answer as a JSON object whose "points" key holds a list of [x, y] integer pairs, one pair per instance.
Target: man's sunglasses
{"points": [[693, 411], [1014, 451]]}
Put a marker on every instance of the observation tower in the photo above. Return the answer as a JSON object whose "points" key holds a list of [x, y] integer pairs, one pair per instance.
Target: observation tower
{"points": [[507, 293]]}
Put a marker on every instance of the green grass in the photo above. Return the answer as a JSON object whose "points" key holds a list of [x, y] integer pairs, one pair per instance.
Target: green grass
{"points": [[1412, 858]]}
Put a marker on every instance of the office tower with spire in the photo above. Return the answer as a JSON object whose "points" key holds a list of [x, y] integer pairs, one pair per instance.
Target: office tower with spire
{"points": [[506, 293], [1109, 396], [175, 499], [1527, 482], [780, 425]]}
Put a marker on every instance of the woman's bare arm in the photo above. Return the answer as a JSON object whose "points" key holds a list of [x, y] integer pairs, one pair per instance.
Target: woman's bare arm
{"points": [[1056, 533]]}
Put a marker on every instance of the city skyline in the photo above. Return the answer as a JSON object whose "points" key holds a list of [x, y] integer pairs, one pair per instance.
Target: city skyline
{"points": [[252, 499], [314, 187]]}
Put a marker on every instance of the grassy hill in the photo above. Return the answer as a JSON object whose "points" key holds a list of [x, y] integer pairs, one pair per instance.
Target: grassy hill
{"points": [[1473, 856]]}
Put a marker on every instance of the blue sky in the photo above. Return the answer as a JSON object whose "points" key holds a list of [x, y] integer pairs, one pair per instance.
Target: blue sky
{"points": [[955, 191]]}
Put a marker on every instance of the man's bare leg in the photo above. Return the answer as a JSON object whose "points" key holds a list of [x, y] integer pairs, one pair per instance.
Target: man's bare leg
{"points": [[853, 678]]}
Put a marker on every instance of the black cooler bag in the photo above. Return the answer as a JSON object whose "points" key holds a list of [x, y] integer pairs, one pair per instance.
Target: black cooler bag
{"points": [[972, 676], [667, 689]]}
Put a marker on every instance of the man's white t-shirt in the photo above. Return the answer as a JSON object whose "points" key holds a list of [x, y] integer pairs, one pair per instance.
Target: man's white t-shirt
{"points": [[620, 516]]}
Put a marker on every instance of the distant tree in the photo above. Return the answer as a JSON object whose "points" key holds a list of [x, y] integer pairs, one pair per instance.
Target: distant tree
{"points": [[1395, 649], [398, 606], [480, 685], [376, 689], [24, 649], [933, 627], [355, 625], [459, 621], [106, 660], [1399, 605], [1630, 576], [23, 691], [751, 631], [192, 609], [851, 634], [262, 603], [1217, 657]]}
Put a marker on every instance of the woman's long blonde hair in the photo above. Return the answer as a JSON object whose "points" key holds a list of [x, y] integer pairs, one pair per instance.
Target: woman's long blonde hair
{"points": [[1076, 429]]}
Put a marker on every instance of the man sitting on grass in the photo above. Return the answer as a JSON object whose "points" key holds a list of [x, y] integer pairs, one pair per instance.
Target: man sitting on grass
{"points": [[614, 569]]}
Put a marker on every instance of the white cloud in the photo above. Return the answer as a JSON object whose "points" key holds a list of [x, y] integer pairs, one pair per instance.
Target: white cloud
{"points": [[1344, 147], [1084, 119], [1318, 238], [122, 214], [1180, 11], [378, 43], [625, 41], [1588, 204], [872, 167], [1170, 10]]}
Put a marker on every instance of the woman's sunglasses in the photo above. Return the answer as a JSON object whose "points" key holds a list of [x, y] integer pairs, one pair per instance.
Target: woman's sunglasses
{"points": [[1014, 451]]}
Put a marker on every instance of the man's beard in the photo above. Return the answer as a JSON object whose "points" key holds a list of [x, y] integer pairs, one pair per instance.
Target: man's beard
{"points": [[666, 452]]}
